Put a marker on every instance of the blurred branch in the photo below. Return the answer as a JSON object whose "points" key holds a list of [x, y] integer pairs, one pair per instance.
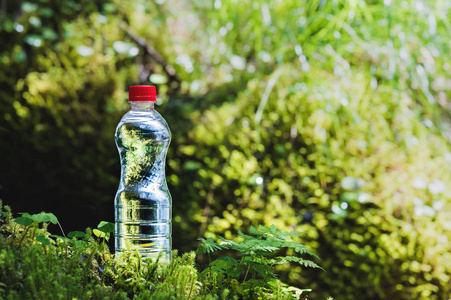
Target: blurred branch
{"points": [[206, 213], [157, 57], [261, 106]]}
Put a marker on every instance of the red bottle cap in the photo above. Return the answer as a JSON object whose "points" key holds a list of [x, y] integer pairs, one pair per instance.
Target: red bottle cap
{"points": [[142, 93]]}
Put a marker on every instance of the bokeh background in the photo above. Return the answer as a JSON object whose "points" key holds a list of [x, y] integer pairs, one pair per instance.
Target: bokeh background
{"points": [[326, 116]]}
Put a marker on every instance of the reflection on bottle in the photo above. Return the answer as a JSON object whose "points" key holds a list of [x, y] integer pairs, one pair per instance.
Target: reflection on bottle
{"points": [[143, 202]]}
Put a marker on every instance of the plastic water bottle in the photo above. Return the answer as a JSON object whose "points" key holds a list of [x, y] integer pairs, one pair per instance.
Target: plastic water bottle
{"points": [[143, 204]]}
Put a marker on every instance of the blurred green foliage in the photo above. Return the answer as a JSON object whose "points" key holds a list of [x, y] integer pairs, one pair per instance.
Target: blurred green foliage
{"points": [[329, 117]]}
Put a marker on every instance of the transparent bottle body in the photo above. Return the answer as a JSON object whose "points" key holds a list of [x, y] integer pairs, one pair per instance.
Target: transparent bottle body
{"points": [[143, 204]]}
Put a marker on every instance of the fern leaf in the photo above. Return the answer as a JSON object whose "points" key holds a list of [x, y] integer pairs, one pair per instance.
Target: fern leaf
{"points": [[293, 234], [208, 246], [261, 269], [301, 261], [311, 264], [245, 236], [261, 247], [301, 249], [230, 244], [274, 234], [257, 232], [278, 261]]}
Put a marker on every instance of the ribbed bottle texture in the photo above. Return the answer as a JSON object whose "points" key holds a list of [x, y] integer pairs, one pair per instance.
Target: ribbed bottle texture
{"points": [[143, 205]]}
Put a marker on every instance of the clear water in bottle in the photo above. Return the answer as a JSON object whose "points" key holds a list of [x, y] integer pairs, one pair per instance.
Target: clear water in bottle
{"points": [[143, 205]]}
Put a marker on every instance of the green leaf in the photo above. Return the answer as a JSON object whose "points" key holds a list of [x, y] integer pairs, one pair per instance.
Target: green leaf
{"points": [[224, 262], [235, 272], [256, 232], [76, 234], [293, 233], [81, 244], [59, 237], [106, 227], [53, 218], [24, 221], [245, 236], [99, 233], [254, 252], [252, 283], [261, 269], [208, 246], [41, 238], [41, 217], [301, 261], [228, 260]]}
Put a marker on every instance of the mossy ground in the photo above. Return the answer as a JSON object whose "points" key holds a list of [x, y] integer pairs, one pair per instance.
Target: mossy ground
{"points": [[35, 264]]}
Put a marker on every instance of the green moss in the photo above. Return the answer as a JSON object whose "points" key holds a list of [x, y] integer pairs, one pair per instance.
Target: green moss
{"points": [[37, 265]]}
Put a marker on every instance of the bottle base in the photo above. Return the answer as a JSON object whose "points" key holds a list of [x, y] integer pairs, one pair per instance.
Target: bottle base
{"points": [[162, 257]]}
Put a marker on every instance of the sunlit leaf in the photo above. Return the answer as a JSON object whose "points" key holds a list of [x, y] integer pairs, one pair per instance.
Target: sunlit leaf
{"points": [[99, 233], [106, 227]]}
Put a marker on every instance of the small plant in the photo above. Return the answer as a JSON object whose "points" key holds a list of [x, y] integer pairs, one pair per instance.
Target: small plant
{"points": [[104, 230], [35, 227], [35, 264], [253, 273]]}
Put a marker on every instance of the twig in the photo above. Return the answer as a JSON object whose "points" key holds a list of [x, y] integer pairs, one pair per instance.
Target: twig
{"points": [[206, 212], [61, 228], [247, 272]]}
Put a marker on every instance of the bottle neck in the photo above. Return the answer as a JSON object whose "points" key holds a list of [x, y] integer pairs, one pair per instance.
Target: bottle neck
{"points": [[142, 105]]}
